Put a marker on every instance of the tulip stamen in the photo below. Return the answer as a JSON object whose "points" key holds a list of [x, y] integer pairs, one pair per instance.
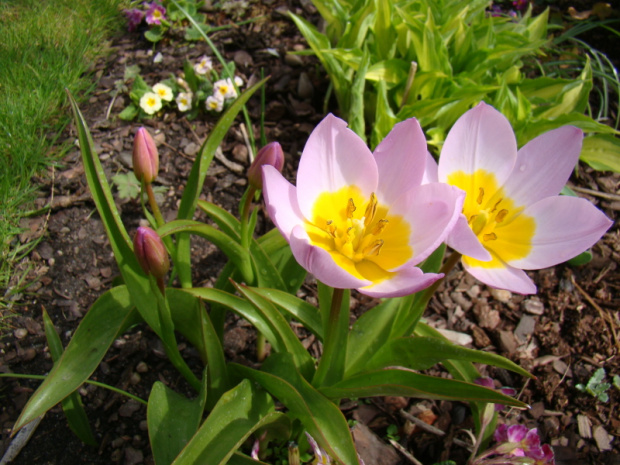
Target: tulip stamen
{"points": [[371, 209], [489, 237], [374, 248], [350, 208], [501, 215], [480, 196]]}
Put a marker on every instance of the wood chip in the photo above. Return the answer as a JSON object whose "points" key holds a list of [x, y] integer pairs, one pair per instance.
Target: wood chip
{"points": [[603, 439], [585, 426]]}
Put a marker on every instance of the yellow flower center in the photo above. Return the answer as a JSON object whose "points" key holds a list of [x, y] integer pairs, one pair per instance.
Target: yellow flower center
{"points": [[495, 219], [359, 233], [151, 102]]}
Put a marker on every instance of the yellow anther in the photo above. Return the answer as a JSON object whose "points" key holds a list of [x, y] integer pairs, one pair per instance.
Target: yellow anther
{"points": [[489, 237], [350, 208], [371, 209], [501, 215], [380, 226], [480, 196], [496, 205], [374, 248], [331, 228]]}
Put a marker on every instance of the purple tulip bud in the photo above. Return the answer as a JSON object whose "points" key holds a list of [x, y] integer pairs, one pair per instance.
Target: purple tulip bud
{"points": [[151, 253], [145, 157], [270, 154]]}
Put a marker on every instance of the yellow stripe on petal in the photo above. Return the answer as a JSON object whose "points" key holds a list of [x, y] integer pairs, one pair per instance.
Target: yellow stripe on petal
{"points": [[359, 233], [498, 223]]}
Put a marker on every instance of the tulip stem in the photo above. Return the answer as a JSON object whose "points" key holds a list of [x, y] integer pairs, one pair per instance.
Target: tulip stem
{"points": [[331, 368], [153, 203]]}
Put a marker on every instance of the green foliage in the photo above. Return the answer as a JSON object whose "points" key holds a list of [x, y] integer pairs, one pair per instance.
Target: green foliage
{"points": [[45, 48], [433, 60], [597, 387]]}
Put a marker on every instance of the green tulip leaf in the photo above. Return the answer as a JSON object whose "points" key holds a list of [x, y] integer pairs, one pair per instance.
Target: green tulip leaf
{"points": [[237, 414], [109, 316], [321, 417], [72, 405], [172, 421]]}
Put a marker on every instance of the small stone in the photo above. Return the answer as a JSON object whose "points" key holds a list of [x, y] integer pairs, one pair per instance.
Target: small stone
{"points": [[562, 368], [537, 410], [481, 339], [305, 89], [191, 149], [142, 367], [293, 60], [456, 337], [128, 408], [533, 306], [525, 328], [243, 59], [371, 448], [508, 342], [602, 438], [395, 403], [135, 379], [20, 333], [501, 294], [133, 456]]}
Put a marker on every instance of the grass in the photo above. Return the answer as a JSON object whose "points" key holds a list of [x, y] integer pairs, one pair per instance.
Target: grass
{"points": [[45, 48]]}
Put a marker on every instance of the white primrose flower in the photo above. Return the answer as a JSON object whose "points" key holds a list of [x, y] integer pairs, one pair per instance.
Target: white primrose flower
{"points": [[204, 65], [225, 88], [215, 103], [150, 103], [164, 92], [184, 101], [238, 81]]}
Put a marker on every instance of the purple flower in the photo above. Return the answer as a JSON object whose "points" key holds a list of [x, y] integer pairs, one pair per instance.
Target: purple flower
{"points": [[134, 18], [521, 5], [155, 14], [488, 383], [518, 441]]}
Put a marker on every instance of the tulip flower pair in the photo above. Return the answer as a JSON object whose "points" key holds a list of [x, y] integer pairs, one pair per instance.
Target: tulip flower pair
{"points": [[364, 220]]}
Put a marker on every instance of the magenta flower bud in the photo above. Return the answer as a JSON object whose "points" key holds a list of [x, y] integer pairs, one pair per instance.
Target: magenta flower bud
{"points": [[151, 252], [145, 157], [270, 154]]}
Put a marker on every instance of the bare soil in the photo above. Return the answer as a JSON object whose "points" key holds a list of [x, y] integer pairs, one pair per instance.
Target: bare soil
{"points": [[562, 334]]}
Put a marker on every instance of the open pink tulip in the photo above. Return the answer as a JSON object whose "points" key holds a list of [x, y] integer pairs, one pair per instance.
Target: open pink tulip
{"points": [[513, 218], [358, 220]]}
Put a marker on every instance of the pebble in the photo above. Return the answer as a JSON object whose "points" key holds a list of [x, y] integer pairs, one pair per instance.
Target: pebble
{"points": [[142, 367], [501, 294], [371, 448], [191, 149], [305, 89], [508, 342], [133, 456], [602, 438], [525, 328], [128, 408], [20, 333], [533, 306], [585, 426]]}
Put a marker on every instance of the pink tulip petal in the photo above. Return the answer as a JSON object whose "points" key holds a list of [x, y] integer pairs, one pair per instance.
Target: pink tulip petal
{"points": [[400, 159], [406, 281], [481, 139], [509, 278], [431, 210], [565, 227], [430, 171], [333, 157], [463, 240], [543, 165], [320, 263], [281, 200]]}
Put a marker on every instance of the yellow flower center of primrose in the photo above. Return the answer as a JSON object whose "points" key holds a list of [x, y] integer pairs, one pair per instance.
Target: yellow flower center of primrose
{"points": [[495, 219], [151, 102], [359, 233]]}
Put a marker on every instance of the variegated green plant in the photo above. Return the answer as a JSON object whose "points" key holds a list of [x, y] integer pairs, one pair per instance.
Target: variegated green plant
{"points": [[434, 59]]}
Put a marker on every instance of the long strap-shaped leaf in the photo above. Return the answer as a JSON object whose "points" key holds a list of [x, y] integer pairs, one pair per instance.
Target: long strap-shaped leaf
{"points": [[237, 414], [71, 405], [398, 381], [322, 418], [195, 182], [109, 316]]}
